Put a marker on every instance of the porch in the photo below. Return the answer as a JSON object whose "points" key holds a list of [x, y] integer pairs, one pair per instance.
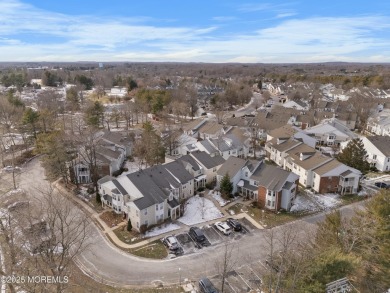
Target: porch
{"points": [[174, 209], [247, 190]]}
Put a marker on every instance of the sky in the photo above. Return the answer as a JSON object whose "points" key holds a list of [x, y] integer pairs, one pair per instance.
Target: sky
{"points": [[273, 31]]}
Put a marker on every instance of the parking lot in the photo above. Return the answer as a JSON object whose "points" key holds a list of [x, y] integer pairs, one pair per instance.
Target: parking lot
{"points": [[243, 279], [213, 237]]}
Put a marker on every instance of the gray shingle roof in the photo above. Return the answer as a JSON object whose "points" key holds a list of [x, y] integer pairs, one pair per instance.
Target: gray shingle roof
{"points": [[152, 194], [232, 166], [271, 177], [208, 146], [208, 161], [187, 159], [382, 143]]}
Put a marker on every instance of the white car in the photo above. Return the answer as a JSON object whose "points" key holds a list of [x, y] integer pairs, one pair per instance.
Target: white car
{"points": [[10, 169], [223, 227]]}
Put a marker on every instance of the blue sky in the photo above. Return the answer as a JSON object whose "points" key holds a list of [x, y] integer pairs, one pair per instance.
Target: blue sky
{"points": [[195, 31]]}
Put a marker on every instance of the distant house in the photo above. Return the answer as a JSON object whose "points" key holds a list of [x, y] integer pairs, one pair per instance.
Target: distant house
{"points": [[315, 170], [150, 196], [379, 124], [111, 152], [234, 142], [288, 131], [298, 105], [273, 187], [378, 151], [330, 132], [117, 91], [202, 167]]}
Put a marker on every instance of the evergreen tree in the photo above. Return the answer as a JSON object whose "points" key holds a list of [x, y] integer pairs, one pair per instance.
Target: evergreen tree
{"points": [[30, 118], [226, 186], [355, 156], [94, 114]]}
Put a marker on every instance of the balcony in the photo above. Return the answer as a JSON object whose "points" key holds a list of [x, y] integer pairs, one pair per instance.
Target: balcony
{"points": [[346, 183]]}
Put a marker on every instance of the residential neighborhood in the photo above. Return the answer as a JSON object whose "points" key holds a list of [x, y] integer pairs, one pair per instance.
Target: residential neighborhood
{"points": [[173, 174]]}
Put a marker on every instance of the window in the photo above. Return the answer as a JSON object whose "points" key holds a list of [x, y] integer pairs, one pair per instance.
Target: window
{"points": [[145, 212], [146, 223], [246, 174], [273, 204], [161, 206], [156, 207], [269, 203], [137, 224], [214, 169], [374, 157]]}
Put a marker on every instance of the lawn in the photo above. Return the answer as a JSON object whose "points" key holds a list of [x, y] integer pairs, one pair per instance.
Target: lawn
{"points": [[351, 198], [111, 218], [126, 236], [236, 208], [270, 219], [155, 250]]}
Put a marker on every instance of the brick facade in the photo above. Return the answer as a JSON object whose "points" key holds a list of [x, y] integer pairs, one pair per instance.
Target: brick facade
{"points": [[329, 184]]}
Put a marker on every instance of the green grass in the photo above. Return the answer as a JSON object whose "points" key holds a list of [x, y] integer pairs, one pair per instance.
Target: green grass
{"points": [[270, 219], [154, 250], [236, 208], [351, 198], [126, 236]]}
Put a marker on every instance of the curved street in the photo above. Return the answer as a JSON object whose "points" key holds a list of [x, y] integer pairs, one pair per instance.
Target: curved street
{"points": [[108, 264]]}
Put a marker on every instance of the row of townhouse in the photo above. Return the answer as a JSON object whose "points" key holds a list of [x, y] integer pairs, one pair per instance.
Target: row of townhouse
{"points": [[272, 187], [153, 195], [315, 170]]}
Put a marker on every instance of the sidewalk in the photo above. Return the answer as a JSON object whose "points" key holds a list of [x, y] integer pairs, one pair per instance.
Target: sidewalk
{"points": [[111, 236]]}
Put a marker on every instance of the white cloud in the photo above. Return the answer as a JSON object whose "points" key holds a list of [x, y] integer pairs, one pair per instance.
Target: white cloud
{"points": [[285, 14], [74, 38]]}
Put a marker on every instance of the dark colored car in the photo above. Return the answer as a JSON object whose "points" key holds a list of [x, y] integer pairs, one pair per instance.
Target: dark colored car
{"points": [[206, 286], [197, 235], [236, 225], [381, 185]]}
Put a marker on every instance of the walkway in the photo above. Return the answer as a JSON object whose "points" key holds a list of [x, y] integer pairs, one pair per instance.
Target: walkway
{"points": [[108, 232]]}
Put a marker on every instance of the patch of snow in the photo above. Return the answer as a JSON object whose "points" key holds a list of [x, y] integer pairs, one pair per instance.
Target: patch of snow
{"points": [[162, 229], [217, 196], [199, 210], [315, 202]]}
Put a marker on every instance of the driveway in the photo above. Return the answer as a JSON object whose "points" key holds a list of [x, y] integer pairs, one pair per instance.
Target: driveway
{"points": [[106, 263]]}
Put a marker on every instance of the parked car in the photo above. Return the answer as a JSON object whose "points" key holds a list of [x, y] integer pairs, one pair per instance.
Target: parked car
{"points": [[171, 242], [223, 227], [236, 225], [197, 235], [206, 286], [381, 185], [10, 169]]}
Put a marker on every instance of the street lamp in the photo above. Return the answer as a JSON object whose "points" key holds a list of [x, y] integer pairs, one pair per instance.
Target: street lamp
{"points": [[180, 276]]}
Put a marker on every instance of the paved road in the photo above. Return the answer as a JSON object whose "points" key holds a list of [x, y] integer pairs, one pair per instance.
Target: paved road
{"points": [[108, 264], [256, 102]]}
